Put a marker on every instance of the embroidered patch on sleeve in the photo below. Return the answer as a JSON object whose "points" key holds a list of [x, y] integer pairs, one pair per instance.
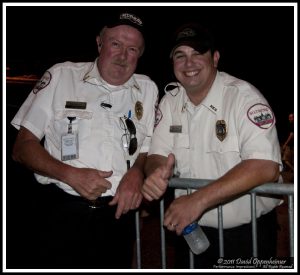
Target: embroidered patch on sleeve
{"points": [[42, 83], [158, 117], [261, 115]]}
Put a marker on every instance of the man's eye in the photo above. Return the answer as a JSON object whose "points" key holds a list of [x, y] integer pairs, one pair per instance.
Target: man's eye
{"points": [[196, 53], [115, 44], [178, 56], [134, 50]]}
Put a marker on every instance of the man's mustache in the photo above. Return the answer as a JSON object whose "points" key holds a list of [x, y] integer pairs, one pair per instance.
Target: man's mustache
{"points": [[120, 63]]}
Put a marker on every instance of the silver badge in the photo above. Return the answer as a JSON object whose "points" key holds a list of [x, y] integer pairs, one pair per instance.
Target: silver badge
{"points": [[221, 129]]}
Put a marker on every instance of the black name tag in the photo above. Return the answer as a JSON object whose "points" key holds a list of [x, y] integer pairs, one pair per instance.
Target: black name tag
{"points": [[176, 129], [75, 105]]}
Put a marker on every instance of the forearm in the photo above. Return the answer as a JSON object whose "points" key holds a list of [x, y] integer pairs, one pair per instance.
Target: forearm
{"points": [[138, 167], [140, 162], [242, 178], [153, 162], [29, 152]]}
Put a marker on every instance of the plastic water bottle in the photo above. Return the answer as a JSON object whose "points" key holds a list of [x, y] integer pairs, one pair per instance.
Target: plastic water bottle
{"points": [[195, 238]]}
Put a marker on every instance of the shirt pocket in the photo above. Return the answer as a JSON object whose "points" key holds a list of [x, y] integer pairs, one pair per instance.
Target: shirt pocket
{"points": [[182, 154], [81, 124], [226, 153]]}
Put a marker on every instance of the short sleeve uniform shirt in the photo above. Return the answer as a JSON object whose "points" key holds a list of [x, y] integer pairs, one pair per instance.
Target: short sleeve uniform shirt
{"points": [[77, 90], [233, 123]]}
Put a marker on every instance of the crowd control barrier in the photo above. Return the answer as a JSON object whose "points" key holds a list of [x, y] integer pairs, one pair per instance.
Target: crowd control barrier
{"points": [[284, 189]]}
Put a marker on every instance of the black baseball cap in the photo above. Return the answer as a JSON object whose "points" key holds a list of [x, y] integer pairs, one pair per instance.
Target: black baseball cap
{"points": [[126, 18], [195, 36]]}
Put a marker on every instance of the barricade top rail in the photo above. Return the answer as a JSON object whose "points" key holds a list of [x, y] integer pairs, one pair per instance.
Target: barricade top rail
{"points": [[266, 188]]}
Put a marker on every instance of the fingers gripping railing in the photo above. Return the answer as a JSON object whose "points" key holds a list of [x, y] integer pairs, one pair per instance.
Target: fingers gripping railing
{"points": [[267, 188]]}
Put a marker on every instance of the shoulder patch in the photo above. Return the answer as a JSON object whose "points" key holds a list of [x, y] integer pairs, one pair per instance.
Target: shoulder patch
{"points": [[158, 117], [261, 115], [42, 83]]}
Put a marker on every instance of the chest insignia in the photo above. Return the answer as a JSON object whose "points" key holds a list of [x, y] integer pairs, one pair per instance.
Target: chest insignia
{"points": [[221, 129], [138, 110]]}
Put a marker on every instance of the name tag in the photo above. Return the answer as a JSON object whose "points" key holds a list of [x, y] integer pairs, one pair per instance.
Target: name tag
{"points": [[176, 129], [69, 146], [75, 105]]}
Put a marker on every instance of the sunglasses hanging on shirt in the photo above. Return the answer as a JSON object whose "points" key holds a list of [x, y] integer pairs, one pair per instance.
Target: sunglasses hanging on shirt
{"points": [[129, 139]]}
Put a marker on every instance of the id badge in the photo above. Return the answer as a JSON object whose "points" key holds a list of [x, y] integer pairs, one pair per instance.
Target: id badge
{"points": [[69, 146]]}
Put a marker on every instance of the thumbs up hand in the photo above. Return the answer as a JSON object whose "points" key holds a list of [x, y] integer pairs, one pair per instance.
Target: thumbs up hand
{"points": [[156, 183]]}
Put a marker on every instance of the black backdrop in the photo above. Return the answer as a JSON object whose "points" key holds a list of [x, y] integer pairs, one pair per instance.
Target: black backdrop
{"points": [[256, 42]]}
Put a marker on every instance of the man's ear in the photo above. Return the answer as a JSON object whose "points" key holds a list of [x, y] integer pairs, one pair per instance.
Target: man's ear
{"points": [[216, 57], [98, 40]]}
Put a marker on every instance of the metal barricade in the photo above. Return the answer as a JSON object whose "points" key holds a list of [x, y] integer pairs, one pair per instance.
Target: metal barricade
{"points": [[267, 188]]}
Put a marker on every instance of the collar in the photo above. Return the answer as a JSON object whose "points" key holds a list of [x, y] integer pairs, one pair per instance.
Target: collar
{"points": [[93, 77], [213, 100]]}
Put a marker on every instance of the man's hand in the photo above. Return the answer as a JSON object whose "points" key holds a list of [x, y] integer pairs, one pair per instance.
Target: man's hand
{"points": [[89, 183], [156, 183], [181, 212], [128, 195]]}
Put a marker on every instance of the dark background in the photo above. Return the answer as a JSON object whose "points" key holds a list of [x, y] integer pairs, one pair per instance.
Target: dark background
{"points": [[256, 44]]}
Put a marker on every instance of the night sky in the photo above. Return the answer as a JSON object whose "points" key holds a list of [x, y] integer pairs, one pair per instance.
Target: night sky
{"points": [[256, 43]]}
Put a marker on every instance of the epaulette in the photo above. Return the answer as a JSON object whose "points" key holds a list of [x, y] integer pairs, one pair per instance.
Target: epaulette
{"points": [[172, 88]]}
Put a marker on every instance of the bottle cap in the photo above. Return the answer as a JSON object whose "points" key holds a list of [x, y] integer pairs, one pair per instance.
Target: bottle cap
{"points": [[188, 229]]}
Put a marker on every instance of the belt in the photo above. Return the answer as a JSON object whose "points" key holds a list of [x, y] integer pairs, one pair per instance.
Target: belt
{"points": [[64, 196], [99, 202]]}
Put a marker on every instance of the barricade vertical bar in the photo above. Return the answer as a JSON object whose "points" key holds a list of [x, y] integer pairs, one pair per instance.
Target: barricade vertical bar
{"points": [[138, 239], [267, 188], [191, 259], [220, 225], [189, 191], [291, 223], [137, 231], [162, 234], [253, 223]]}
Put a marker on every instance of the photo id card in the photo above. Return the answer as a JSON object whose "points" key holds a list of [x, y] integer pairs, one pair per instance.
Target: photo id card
{"points": [[69, 146]]}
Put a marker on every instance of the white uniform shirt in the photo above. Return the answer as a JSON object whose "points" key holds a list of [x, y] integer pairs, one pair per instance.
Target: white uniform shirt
{"points": [[100, 132], [189, 132]]}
